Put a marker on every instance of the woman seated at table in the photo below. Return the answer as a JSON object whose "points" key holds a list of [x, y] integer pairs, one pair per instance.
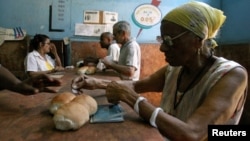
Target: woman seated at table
{"points": [[38, 61]]}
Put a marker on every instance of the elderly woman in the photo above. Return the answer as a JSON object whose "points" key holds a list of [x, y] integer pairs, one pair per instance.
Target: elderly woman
{"points": [[198, 88], [38, 61]]}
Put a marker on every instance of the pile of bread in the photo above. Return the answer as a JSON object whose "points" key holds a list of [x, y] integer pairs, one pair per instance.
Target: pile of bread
{"points": [[87, 70], [70, 112]]}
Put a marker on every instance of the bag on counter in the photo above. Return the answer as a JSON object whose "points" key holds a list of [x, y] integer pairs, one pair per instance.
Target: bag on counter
{"points": [[100, 66]]}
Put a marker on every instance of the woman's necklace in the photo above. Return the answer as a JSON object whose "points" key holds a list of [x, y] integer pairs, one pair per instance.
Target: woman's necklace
{"points": [[178, 100]]}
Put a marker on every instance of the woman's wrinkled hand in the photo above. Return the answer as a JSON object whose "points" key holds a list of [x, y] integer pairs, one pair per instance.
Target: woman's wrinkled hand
{"points": [[116, 92], [83, 82]]}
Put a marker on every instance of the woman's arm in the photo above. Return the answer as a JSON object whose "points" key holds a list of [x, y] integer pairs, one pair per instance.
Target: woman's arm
{"points": [[218, 107], [58, 63], [7, 78], [143, 85], [35, 73], [31, 85], [152, 83]]}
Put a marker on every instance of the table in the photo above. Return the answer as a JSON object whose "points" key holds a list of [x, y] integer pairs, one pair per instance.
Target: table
{"points": [[27, 118]]}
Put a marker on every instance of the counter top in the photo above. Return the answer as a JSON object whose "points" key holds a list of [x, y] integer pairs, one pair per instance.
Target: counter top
{"points": [[27, 118]]}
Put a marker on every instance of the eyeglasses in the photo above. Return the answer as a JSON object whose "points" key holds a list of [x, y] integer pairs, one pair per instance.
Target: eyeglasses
{"points": [[168, 40]]}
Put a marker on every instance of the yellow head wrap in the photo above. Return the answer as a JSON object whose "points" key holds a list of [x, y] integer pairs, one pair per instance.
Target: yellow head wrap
{"points": [[198, 17]]}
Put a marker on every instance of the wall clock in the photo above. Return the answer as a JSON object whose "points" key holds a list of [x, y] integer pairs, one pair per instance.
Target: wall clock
{"points": [[146, 15]]}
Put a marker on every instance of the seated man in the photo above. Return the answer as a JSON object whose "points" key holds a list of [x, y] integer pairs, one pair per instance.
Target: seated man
{"points": [[106, 41]]}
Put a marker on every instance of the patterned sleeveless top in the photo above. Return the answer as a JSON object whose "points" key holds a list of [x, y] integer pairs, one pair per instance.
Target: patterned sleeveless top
{"points": [[194, 97]]}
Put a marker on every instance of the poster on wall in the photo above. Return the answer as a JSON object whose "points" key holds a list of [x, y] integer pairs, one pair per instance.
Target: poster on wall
{"points": [[60, 16]]}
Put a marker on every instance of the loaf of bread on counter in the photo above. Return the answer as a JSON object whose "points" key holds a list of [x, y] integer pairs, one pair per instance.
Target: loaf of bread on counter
{"points": [[87, 101], [60, 100], [76, 113], [91, 70], [82, 70], [71, 116], [87, 70]]}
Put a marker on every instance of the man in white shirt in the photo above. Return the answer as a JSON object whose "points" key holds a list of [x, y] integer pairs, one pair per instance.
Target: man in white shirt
{"points": [[106, 41]]}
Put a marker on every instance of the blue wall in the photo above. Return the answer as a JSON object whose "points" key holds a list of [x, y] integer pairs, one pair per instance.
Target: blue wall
{"points": [[33, 16], [236, 27]]}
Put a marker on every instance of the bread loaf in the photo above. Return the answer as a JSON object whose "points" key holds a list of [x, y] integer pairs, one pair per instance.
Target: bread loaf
{"points": [[60, 100], [75, 112], [71, 116], [87, 101], [91, 70], [86, 70], [82, 70]]}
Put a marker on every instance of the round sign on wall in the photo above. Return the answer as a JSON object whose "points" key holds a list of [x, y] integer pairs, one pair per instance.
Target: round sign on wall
{"points": [[146, 15]]}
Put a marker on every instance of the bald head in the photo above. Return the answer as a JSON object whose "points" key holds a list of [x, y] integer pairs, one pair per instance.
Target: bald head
{"points": [[106, 39], [108, 35]]}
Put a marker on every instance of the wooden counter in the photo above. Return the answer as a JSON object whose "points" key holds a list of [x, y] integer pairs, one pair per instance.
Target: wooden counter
{"points": [[27, 118]]}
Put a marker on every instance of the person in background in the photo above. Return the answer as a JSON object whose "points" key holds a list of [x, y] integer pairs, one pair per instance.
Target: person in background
{"points": [[38, 61], [106, 41], [198, 88], [129, 63], [32, 85]]}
